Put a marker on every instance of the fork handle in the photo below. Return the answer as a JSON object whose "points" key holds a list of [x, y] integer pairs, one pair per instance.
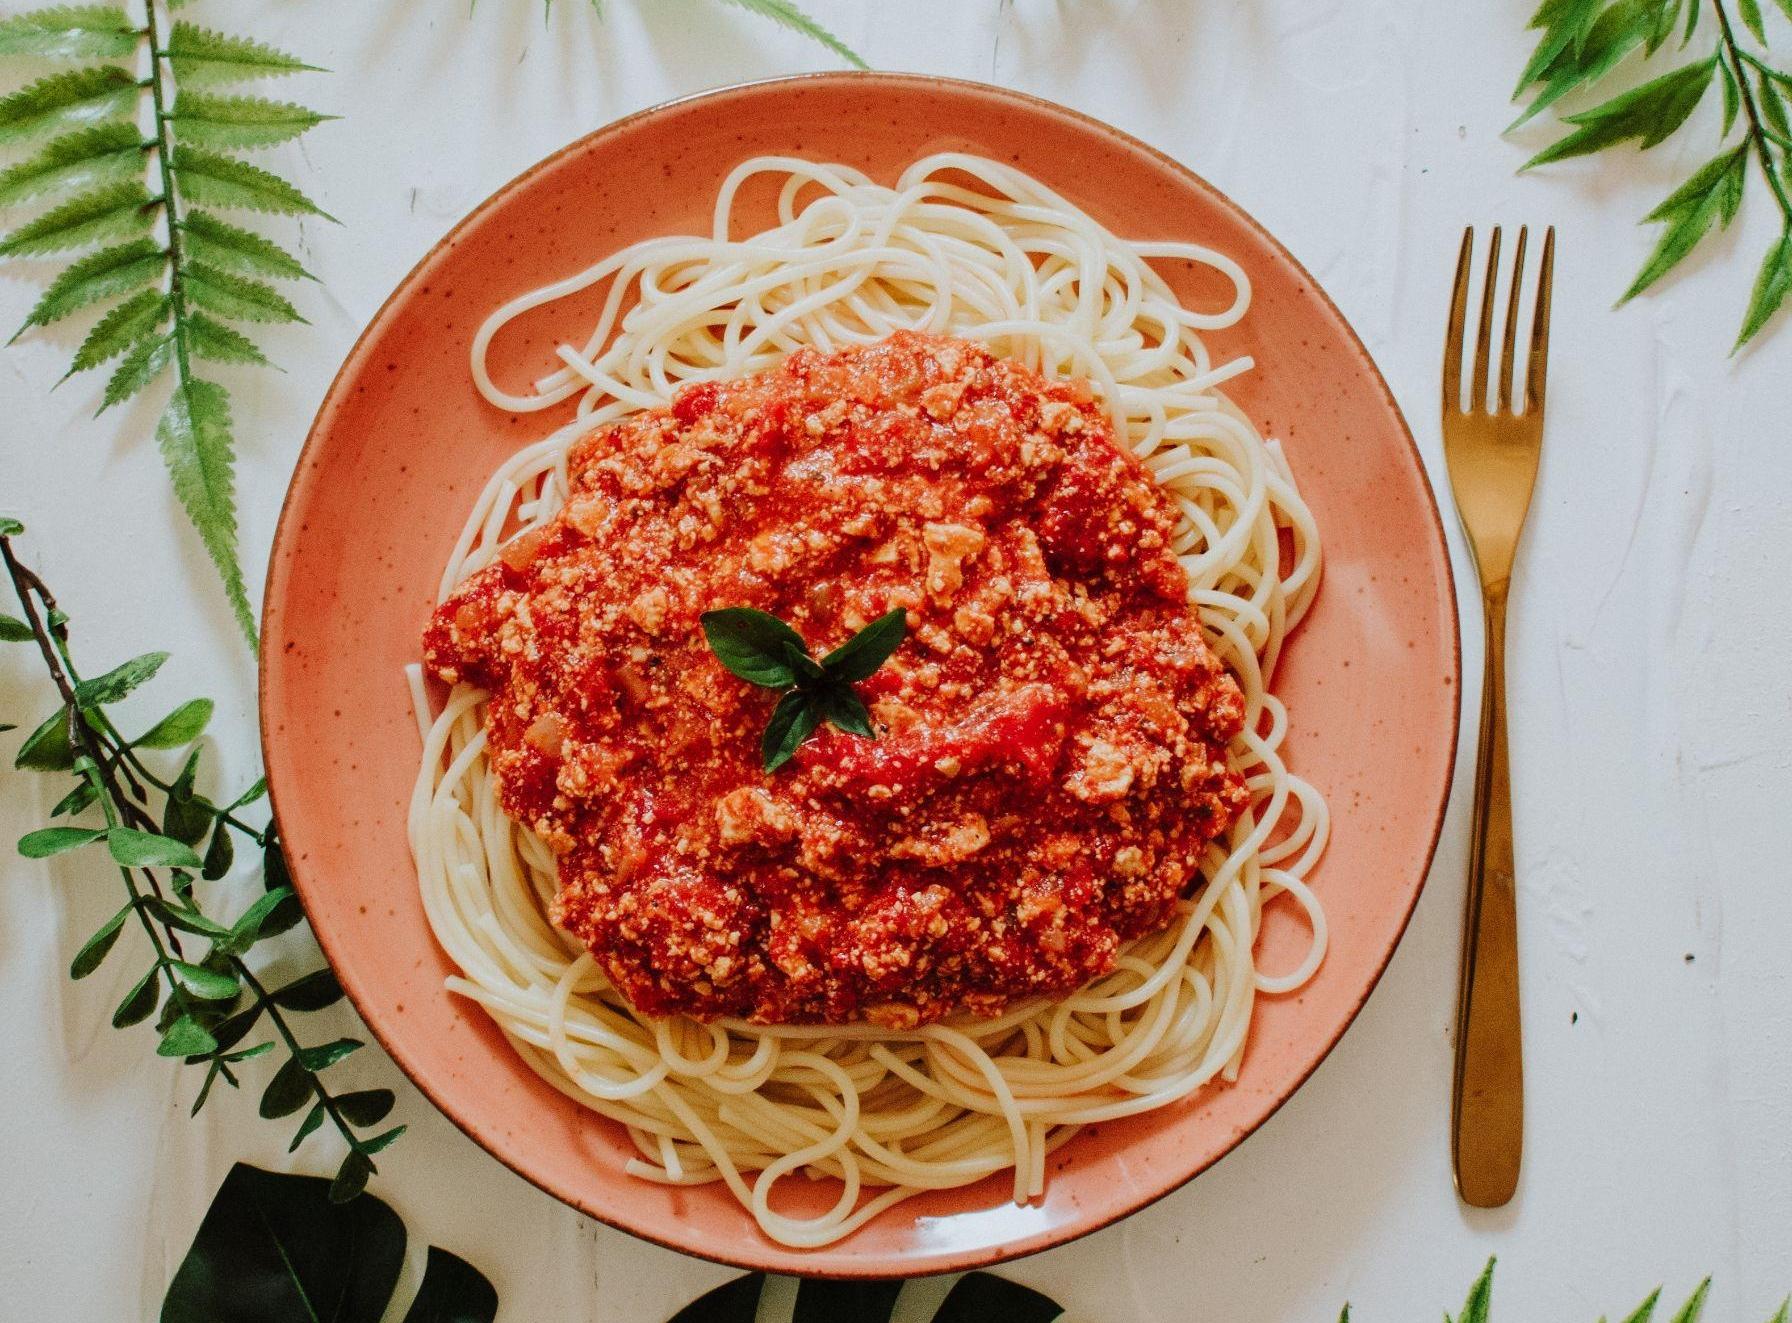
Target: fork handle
{"points": [[1487, 1122]]}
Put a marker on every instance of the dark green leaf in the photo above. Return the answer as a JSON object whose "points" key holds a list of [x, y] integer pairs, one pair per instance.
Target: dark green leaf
{"points": [[240, 298], [185, 919], [219, 855], [1750, 10], [96, 277], [979, 1296], [250, 927], [819, 1300], [205, 984], [273, 1249], [287, 914], [786, 14], [119, 681], [312, 992], [47, 749], [313, 1119], [1648, 114], [1711, 195], [215, 180], [142, 364], [351, 1177], [240, 121], [752, 643], [117, 211], [231, 1031], [381, 1141], [870, 648], [1770, 289], [14, 630], [453, 1291], [194, 436], [121, 328], [212, 1074], [252, 794], [63, 30], [141, 849], [186, 1037], [10, 527], [75, 800], [845, 709], [96, 154], [248, 1053], [220, 343], [67, 100], [181, 726], [96, 948], [200, 55], [233, 248], [1480, 1296], [367, 1107], [1695, 1306], [802, 665], [732, 1302], [55, 840], [140, 1002], [325, 1055], [792, 722], [288, 1091]]}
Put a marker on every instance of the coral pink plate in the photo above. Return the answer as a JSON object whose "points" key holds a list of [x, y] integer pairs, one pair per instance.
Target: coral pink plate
{"points": [[403, 442]]}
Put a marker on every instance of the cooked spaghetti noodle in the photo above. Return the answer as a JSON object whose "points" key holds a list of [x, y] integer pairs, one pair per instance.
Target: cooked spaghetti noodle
{"points": [[973, 249]]}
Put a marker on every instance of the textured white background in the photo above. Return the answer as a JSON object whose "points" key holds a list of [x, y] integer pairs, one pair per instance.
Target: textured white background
{"points": [[1651, 695]]}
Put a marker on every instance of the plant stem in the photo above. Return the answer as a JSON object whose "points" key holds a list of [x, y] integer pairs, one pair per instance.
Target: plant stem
{"points": [[164, 150], [287, 1036], [1757, 131]]}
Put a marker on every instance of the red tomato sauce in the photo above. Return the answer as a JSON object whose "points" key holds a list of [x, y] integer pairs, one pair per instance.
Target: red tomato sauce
{"points": [[1049, 760]]}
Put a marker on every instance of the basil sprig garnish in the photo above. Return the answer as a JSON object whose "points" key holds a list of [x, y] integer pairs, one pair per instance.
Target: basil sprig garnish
{"points": [[761, 649]]}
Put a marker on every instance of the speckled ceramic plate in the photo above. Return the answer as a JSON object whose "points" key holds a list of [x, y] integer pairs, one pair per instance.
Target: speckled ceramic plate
{"points": [[403, 442]]}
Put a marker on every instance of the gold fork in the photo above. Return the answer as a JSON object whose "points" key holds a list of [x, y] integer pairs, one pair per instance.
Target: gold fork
{"points": [[1492, 456]]}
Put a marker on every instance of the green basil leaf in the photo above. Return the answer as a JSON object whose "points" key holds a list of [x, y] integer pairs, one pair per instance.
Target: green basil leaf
{"points": [[186, 1037], [96, 948], [181, 726], [14, 630], [118, 681], [141, 849], [56, 840], [870, 648], [206, 984], [313, 992], [802, 664], [845, 709], [452, 1291], [792, 722], [325, 1055], [47, 749], [287, 1091], [366, 1107], [140, 1002], [273, 1249], [751, 644]]}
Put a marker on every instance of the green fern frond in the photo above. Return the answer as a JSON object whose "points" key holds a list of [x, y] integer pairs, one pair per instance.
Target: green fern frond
{"points": [[166, 295]]}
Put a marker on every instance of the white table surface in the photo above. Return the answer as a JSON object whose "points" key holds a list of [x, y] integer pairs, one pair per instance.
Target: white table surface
{"points": [[1650, 689]]}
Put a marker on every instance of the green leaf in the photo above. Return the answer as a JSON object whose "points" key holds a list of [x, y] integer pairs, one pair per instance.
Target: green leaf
{"points": [[116, 683], [325, 1055], [732, 1302], [181, 726], [1648, 113], [288, 1091], [1785, 1310], [751, 644], [841, 706], [1770, 289], [252, 794], [47, 749], [233, 248], [381, 1141], [202, 56], [219, 855], [1695, 1305], [1750, 10], [185, 918], [10, 527], [121, 328], [222, 181], [273, 1249], [351, 1177], [802, 665], [98, 276], [870, 648], [96, 154], [823, 1301], [140, 1002], [67, 100], [194, 436], [231, 1031], [1480, 1296], [792, 722], [1773, 105], [186, 1037], [57, 840], [212, 1074], [205, 984], [63, 30], [14, 630], [141, 849], [1785, 7], [979, 1296], [1565, 24], [237, 297], [75, 800], [142, 364], [219, 343], [1645, 1311], [313, 992], [116, 211], [786, 14], [1732, 94], [240, 121], [1617, 31], [313, 1119], [367, 1107], [1712, 195], [248, 1053], [95, 949], [183, 817], [452, 1291]]}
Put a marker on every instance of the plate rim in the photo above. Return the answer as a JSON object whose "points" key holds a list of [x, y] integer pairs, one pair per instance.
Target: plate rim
{"points": [[756, 1259]]}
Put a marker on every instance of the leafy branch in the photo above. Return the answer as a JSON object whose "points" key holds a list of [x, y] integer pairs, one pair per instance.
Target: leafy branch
{"points": [[172, 279], [152, 826], [1476, 1308], [785, 13], [1583, 42]]}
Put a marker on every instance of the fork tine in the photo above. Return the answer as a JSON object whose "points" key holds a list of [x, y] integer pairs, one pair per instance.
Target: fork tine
{"points": [[1453, 336], [1509, 345], [1477, 391], [1539, 367]]}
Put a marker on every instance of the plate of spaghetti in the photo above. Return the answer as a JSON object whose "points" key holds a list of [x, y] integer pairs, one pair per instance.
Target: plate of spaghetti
{"points": [[893, 668]]}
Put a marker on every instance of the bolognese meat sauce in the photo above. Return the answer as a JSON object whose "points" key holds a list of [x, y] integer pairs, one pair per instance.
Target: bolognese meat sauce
{"points": [[1049, 761]]}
